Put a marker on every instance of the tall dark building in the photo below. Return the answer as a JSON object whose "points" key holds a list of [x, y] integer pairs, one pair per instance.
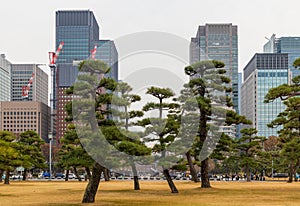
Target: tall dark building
{"points": [[79, 31], [218, 42]]}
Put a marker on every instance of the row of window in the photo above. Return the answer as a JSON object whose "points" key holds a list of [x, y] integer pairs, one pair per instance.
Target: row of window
{"points": [[18, 130], [19, 113], [14, 126], [20, 121]]}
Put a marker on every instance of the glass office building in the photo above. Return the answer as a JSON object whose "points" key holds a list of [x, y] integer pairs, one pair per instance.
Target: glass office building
{"points": [[20, 75], [79, 31], [107, 52], [263, 72], [289, 45], [5, 79], [218, 42]]}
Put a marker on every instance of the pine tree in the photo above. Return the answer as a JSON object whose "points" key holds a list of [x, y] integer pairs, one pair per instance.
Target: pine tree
{"points": [[10, 156], [250, 146], [209, 86], [30, 144], [163, 131], [289, 119]]}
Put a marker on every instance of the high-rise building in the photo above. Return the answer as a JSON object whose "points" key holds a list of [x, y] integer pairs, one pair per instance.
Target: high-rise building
{"points": [[107, 52], [20, 75], [21, 116], [218, 42], [79, 31], [240, 81], [263, 72], [5, 79], [289, 45]]}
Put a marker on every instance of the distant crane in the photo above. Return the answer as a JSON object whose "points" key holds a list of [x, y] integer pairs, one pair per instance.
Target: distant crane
{"points": [[53, 57], [25, 89], [93, 52]]}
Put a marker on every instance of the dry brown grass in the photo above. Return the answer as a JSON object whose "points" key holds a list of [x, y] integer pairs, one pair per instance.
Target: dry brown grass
{"points": [[153, 193]]}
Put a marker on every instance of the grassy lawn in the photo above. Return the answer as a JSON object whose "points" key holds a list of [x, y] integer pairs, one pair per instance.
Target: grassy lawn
{"points": [[153, 193]]}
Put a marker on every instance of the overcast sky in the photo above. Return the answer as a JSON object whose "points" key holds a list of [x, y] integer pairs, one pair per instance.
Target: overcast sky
{"points": [[28, 27]]}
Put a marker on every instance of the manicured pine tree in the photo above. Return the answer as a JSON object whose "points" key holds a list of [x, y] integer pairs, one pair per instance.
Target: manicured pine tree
{"points": [[289, 119], [163, 130], [30, 144], [209, 86]]}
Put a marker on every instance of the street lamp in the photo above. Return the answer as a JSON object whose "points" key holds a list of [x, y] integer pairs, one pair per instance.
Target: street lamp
{"points": [[50, 137]]}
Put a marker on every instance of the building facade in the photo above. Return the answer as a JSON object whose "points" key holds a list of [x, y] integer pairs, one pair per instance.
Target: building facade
{"points": [[5, 79], [107, 52], [21, 116], [263, 72], [218, 42], [20, 75], [288, 45], [79, 31]]}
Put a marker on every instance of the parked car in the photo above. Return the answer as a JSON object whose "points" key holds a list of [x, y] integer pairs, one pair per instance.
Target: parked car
{"points": [[59, 175], [46, 175], [71, 176]]}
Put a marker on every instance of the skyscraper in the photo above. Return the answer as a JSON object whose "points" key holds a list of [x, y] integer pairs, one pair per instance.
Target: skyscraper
{"points": [[107, 52], [79, 31], [5, 79], [263, 72], [20, 75], [218, 42], [289, 45]]}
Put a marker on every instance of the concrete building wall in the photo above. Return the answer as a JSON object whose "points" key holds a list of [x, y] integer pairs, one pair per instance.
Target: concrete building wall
{"points": [[18, 117]]}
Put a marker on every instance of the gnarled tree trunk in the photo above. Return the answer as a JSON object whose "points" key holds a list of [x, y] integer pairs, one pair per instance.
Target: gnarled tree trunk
{"points": [[1, 175], [205, 183], [170, 181], [25, 174], [248, 175], [291, 172], [6, 180], [67, 176], [106, 174], [92, 187], [76, 174], [135, 177], [192, 167], [88, 173]]}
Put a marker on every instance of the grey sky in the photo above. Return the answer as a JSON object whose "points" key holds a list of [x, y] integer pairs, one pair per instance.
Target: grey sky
{"points": [[28, 27]]}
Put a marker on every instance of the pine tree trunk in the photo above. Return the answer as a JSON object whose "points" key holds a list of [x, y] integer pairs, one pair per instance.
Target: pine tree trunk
{"points": [[67, 176], [25, 174], [170, 181], [248, 175], [291, 172], [135, 177], [6, 180], [295, 171], [92, 187], [192, 167], [106, 175], [76, 174], [1, 175], [204, 174], [88, 173]]}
